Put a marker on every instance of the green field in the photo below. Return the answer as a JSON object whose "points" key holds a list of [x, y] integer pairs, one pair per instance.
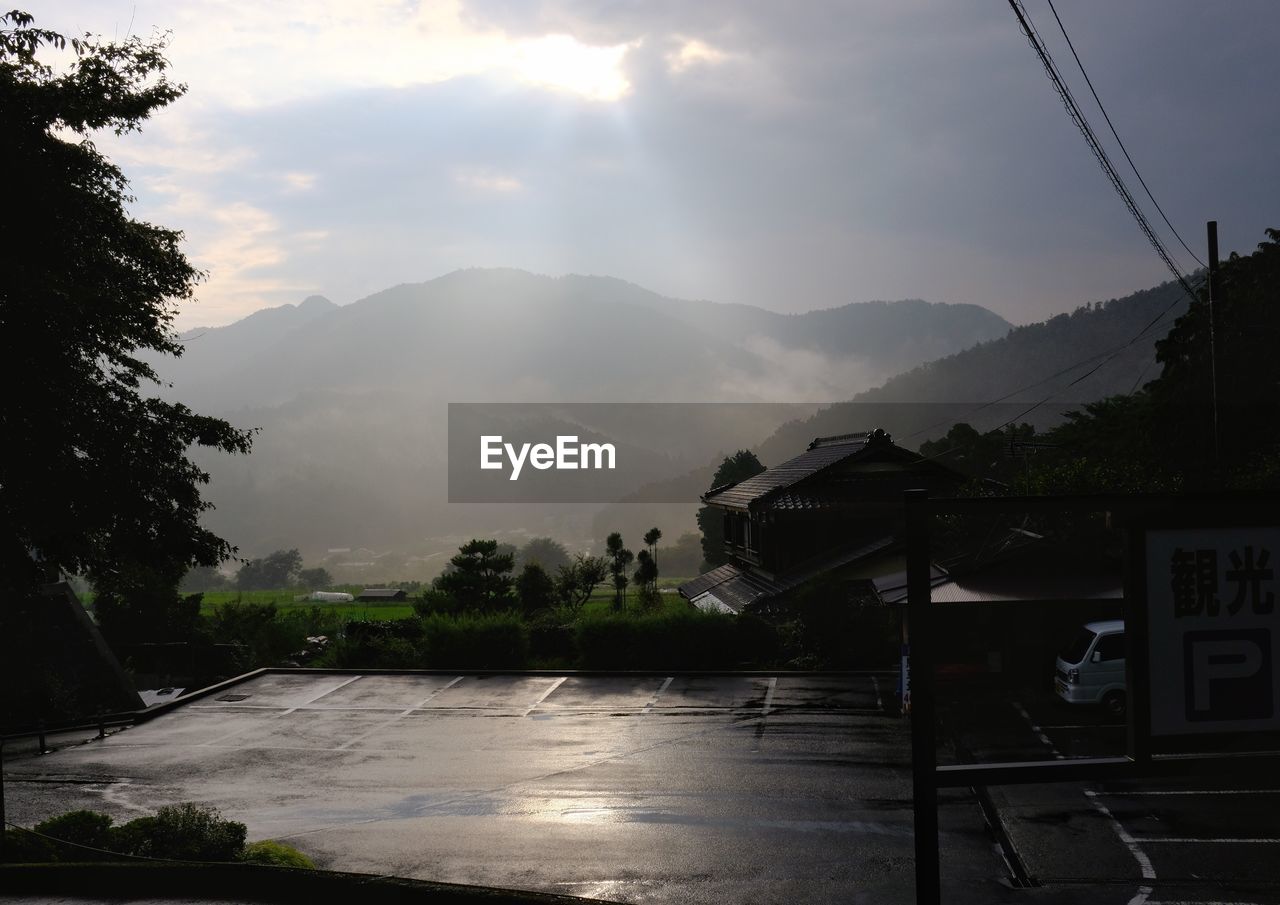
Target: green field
{"points": [[286, 601]]}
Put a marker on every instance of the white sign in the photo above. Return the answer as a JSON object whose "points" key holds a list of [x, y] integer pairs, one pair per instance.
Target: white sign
{"points": [[1214, 643]]}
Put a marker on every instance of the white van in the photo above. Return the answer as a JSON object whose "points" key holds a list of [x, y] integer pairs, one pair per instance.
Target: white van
{"points": [[1091, 669]]}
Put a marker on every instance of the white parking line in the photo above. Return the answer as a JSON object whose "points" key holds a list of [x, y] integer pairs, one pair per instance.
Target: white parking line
{"points": [[546, 694], [1038, 731], [399, 716], [648, 708], [1144, 863], [768, 696], [324, 694], [217, 742], [1136, 792], [1254, 840]]}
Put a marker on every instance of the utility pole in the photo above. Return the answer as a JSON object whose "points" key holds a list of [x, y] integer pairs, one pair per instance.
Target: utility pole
{"points": [[1215, 291]]}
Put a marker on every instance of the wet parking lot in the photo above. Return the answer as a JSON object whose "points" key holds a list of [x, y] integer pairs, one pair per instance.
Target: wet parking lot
{"points": [[638, 788], [1195, 840], [680, 788]]}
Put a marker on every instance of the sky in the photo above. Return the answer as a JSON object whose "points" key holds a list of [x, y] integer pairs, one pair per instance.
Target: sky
{"points": [[788, 155]]}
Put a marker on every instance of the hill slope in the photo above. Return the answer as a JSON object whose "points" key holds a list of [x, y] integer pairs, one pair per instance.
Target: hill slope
{"points": [[351, 400]]}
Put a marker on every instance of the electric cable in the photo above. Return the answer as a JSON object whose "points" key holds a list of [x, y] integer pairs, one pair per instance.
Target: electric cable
{"points": [[1095, 146], [1088, 81], [1106, 357]]}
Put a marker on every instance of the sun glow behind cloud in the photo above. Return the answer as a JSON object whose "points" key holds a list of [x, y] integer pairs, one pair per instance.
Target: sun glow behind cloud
{"points": [[563, 63], [253, 55]]}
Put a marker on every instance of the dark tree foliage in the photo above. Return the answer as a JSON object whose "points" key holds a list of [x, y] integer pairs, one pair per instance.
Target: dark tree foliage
{"points": [[1162, 438], [316, 579], [734, 469], [619, 558], [997, 455], [94, 477], [277, 570], [545, 551], [1246, 324], [535, 588], [576, 582], [479, 577], [651, 538], [204, 578], [646, 574]]}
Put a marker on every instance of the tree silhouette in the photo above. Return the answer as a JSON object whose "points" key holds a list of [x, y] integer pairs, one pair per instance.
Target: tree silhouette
{"points": [[479, 577], [94, 474], [619, 558], [735, 468]]}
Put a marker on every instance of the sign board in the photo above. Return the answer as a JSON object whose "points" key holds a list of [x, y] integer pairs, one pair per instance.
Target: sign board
{"points": [[1214, 638]]}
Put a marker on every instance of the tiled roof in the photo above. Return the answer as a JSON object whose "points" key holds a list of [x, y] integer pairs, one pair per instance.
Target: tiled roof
{"points": [[822, 452], [733, 587], [736, 587]]}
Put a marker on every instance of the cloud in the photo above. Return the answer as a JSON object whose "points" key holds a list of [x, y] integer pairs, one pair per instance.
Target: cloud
{"points": [[565, 64], [486, 181], [799, 375], [786, 156], [299, 182], [250, 55], [694, 53]]}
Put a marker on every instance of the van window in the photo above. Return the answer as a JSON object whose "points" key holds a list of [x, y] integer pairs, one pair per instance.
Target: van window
{"points": [[1076, 650], [1111, 647]]}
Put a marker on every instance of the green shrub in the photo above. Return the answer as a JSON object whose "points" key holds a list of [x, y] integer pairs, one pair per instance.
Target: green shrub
{"points": [[476, 640], [88, 828], [376, 644], [185, 832], [134, 837], [551, 639], [680, 639], [269, 851], [24, 847]]}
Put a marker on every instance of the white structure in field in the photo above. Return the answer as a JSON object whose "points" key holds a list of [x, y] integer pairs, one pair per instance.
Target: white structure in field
{"points": [[330, 597]]}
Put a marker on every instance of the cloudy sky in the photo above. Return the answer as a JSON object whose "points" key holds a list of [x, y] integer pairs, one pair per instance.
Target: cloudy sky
{"points": [[788, 155]]}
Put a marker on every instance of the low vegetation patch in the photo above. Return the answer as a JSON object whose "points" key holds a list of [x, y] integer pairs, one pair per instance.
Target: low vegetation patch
{"points": [[181, 832]]}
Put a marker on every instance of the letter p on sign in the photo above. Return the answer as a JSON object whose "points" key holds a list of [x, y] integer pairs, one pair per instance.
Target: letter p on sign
{"points": [[1228, 675]]}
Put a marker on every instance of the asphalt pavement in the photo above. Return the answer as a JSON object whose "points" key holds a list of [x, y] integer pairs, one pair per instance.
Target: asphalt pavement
{"points": [[690, 789], [1213, 839]]}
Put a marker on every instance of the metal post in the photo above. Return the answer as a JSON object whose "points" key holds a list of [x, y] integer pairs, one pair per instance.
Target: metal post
{"points": [[40, 732], [3, 824], [923, 706], [1215, 290], [1137, 660]]}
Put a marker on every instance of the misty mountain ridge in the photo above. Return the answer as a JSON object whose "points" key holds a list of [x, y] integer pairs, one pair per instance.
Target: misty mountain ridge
{"points": [[560, 339], [351, 399]]}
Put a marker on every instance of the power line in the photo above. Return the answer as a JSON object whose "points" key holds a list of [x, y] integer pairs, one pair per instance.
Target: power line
{"points": [[1091, 139], [1116, 135], [1106, 357]]}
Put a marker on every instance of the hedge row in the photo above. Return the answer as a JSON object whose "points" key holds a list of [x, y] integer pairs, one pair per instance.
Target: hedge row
{"points": [[659, 640]]}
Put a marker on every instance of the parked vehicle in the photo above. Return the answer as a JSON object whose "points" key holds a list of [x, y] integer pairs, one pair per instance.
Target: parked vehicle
{"points": [[1091, 669]]}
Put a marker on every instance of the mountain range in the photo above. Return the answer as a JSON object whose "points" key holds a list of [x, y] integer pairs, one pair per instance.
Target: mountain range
{"points": [[351, 400]]}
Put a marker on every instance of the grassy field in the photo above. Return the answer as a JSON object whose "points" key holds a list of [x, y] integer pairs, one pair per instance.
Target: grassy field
{"points": [[287, 600]]}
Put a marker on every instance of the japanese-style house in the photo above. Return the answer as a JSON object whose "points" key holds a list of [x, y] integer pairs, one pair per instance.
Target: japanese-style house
{"points": [[826, 512]]}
